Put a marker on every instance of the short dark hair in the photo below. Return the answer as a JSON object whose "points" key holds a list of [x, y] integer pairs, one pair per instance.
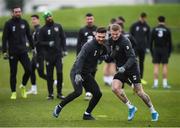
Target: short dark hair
{"points": [[121, 18], [161, 18], [89, 14], [143, 15], [16, 6], [113, 20], [101, 30], [35, 15]]}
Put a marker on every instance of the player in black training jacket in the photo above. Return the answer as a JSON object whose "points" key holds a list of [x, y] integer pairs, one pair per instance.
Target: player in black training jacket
{"points": [[16, 32], [160, 47], [85, 35], [37, 61], [140, 30], [52, 37], [81, 75], [127, 69]]}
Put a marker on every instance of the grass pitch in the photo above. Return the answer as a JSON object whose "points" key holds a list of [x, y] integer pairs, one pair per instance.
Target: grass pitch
{"points": [[36, 111]]}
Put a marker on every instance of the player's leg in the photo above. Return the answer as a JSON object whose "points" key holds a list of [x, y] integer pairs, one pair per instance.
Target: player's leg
{"points": [[26, 63], [145, 97], [165, 72], [33, 89], [165, 57], [117, 88], [88, 94], [40, 67], [59, 78], [109, 71], [141, 65], [156, 74], [13, 62], [91, 85], [50, 72], [70, 97], [156, 61]]}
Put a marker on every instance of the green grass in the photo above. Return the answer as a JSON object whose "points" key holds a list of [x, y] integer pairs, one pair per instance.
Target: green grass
{"points": [[110, 112], [73, 19]]}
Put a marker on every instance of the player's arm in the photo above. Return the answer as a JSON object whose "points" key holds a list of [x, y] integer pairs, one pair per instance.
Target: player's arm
{"points": [[131, 59], [5, 37], [148, 37], [63, 39], [79, 40], [83, 54], [170, 42], [151, 41], [133, 41], [28, 34], [131, 30]]}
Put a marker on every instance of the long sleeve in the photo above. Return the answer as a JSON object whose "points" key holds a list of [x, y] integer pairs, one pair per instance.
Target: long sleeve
{"points": [[63, 39], [81, 58], [151, 42], [170, 42], [129, 54], [28, 34], [148, 37], [5, 38], [79, 41]]}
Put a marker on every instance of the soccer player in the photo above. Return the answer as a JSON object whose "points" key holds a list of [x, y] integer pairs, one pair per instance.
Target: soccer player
{"points": [[85, 35], [52, 37], [160, 47], [141, 32], [127, 69], [37, 61], [81, 74], [16, 32], [109, 68]]}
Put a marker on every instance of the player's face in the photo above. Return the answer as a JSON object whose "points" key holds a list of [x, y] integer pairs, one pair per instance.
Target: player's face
{"points": [[49, 19], [115, 34], [100, 37], [89, 20], [17, 12], [35, 21]]}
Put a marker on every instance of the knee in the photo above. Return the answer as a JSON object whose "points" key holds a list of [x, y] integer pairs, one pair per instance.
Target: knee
{"points": [[97, 95], [78, 92], [139, 92], [115, 88]]}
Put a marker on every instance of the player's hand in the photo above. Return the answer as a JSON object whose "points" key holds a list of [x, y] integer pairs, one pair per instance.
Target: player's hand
{"points": [[121, 69], [147, 50], [5, 56], [78, 79], [64, 53], [104, 57], [34, 52], [51, 43]]}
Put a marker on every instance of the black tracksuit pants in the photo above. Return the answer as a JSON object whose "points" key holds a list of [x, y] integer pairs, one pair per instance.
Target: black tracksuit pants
{"points": [[13, 61], [141, 55], [37, 62], [90, 84], [52, 62]]}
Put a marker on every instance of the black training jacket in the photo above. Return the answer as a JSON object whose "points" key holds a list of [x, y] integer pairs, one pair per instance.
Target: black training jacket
{"points": [[141, 32], [161, 38], [88, 57], [15, 34], [53, 33], [123, 53], [85, 34]]}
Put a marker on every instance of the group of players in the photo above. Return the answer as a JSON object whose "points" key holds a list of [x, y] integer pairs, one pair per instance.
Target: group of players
{"points": [[95, 44]]}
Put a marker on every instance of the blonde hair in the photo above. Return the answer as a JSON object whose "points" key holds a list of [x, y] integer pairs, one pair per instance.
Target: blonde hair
{"points": [[115, 27]]}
